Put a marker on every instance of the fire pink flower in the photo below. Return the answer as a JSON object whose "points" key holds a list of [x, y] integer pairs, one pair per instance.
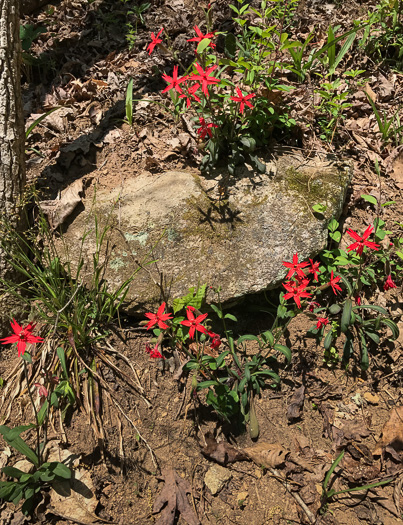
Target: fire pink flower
{"points": [[322, 321], [389, 284], [312, 305], [158, 318], [314, 268], [22, 336], [333, 283], [154, 41], [295, 267], [357, 300], [215, 340], [174, 81], [154, 352], [358, 246], [194, 323], [243, 100], [191, 93], [204, 77], [200, 36], [296, 291], [205, 129]]}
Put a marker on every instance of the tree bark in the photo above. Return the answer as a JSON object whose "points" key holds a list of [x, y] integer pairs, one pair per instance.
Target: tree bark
{"points": [[12, 139]]}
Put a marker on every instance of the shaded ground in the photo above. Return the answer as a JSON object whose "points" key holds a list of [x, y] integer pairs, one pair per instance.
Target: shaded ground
{"points": [[85, 67]]}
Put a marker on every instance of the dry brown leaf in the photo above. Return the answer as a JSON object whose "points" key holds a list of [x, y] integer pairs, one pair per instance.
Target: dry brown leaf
{"points": [[173, 498], [296, 404], [392, 433], [222, 452], [58, 210], [267, 455]]}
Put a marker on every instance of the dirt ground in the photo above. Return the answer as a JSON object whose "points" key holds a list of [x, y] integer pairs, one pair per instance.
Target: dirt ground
{"points": [[86, 65]]}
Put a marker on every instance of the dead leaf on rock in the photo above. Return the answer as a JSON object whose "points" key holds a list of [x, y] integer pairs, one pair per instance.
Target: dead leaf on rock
{"points": [[394, 166], [222, 452], [267, 455], [296, 404], [58, 210], [173, 498], [392, 433]]}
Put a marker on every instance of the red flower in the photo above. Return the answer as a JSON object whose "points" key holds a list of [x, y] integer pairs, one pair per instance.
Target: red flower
{"points": [[154, 41], [295, 267], [154, 352], [205, 129], [158, 318], [314, 268], [333, 281], [243, 100], [296, 291], [357, 299], [21, 336], [191, 93], [215, 340], [322, 321], [194, 323], [174, 81], [200, 36], [389, 284], [312, 305], [204, 77], [358, 246]]}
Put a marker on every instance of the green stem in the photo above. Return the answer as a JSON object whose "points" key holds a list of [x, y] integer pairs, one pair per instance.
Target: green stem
{"points": [[38, 437]]}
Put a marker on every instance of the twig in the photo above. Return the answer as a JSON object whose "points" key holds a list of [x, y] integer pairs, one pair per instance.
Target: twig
{"points": [[296, 496]]}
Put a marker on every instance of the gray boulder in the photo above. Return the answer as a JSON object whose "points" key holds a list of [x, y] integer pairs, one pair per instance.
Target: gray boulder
{"points": [[232, 233]]}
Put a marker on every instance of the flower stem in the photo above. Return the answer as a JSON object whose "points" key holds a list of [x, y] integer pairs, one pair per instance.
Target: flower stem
{"points": [[38, 439]]}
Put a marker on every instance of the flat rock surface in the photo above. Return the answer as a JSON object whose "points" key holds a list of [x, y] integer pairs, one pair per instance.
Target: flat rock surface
{"points": [[232, 232]]}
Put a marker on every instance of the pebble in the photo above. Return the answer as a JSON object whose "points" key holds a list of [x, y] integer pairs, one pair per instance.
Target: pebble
{"points": [[216, 477], [372, 399]]}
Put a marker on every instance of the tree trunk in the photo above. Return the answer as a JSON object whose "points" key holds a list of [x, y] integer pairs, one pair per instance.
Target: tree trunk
{"points": [[12, 139]]}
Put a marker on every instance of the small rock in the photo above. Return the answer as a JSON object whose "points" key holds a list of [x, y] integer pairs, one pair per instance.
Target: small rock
{"points": [[241, 498], [372, 399], [216, 477]]}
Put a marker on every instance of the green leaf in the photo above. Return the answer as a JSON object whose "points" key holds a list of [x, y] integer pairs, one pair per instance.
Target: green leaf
{"points": [[284, 350], [327, 343], [7, 489], [27, 357], [13, 472], [268, 337], [39, 120], [247, 338], [348, 348], [62, 359], [14, 440], [231, 317], [346, 316], [60, 470], [334, 309], [372, 307], [217, 310], [129, 102], [43, 413], [393, 326], [230, 45], [203, 44], [331, 470], [319, 208], [269, 373], [207, 384], [364, 353]]}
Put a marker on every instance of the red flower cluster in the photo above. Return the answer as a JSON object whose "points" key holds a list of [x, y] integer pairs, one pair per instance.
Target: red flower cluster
{"points": [[296, 290], [22, 336]]}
